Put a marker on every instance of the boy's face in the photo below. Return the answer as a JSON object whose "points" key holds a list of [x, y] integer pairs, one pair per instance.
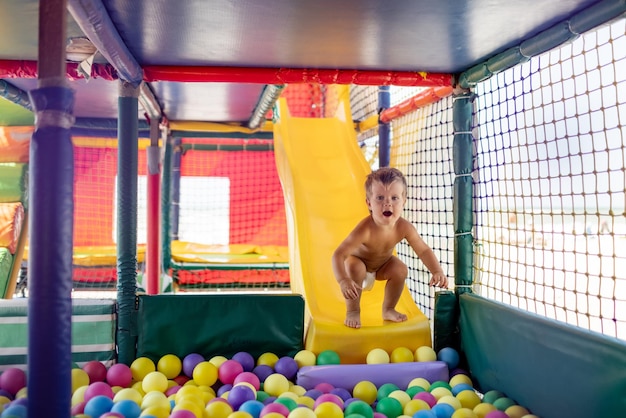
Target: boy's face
{"points": [[386, 202]]}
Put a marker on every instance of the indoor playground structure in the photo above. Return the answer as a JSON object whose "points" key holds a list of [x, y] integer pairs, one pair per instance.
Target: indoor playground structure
{"points": [[174, 179]]}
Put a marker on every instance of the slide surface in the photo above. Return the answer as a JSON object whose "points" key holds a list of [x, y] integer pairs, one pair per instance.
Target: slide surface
{"points": [[323, 171]]}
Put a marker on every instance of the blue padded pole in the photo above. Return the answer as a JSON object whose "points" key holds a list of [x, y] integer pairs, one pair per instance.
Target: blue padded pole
{"points": [[384, 129], [127, 171], [51, 214]]}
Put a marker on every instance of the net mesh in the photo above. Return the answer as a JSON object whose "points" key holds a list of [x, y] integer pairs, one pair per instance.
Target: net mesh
{"points": [[551, 180]]}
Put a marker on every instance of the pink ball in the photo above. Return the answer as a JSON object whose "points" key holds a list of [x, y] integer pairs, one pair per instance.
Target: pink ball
{"points": [[324, 387], [229, 370], [427, 397], [172, 391], [96, 371], [79, 408], [12, 380], [248, 377], [274, 407], [328, 397], [379, 415], [112, 415], [119, 375], [98, 388], [182, 413], [496, 414]]}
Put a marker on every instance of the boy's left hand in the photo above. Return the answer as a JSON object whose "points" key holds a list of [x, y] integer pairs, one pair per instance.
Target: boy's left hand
{"points": [[439, 280]]}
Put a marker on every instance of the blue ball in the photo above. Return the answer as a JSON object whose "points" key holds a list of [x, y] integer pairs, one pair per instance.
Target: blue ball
{"points": [[424, 414], [460, 388], [98, 405], [15, 411], [128, 408], [449, 356], [443, 410], [253, 407]]}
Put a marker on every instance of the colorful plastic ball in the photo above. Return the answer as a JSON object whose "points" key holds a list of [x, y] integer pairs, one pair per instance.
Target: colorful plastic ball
{"points": [[392, 408], [443, 410], [425, 353], [140, 367], [12, 380], [245, 359], [365, 391], [496, 414], [154, 382], [119, 374], [218, 408], [482, 409], [328, 410], [492, 395], [415, 405], [248, 377], [253, 407], [76, 409], [377, 356], [449, 356], [170, 365], [460, 388], [450, 400], [503, 403], [313, 393], [229, 370], [190, 361], [305, 358], [240, 394], [427, 397], [424, 414], [328, 397], [461, 379], [128, 394], [79, 378], [98, 389], [401, 355], [440, 392], [516, 411], [262, 371], [96, 370], [223, 389], [328, 357], [98, 405], [463, 413], [15, 411], [343, 393], [274, 408], [421, 382], [359, 407], [205, 373], [302, 412], [182, 413], [155, 399], [324, 387], [413, 390], [218, 360], [468, 398], [286, 366], [275, 384], [385, 389], [291, 404], [128, 408], [440, 384], [112, 415], [267, 359]]}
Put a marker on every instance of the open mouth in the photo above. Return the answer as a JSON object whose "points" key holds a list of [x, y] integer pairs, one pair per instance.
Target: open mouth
{"points": [[387, 213]]}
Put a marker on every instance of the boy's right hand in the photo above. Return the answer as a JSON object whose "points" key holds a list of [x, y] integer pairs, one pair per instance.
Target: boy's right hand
{"points": [[349, 289]]}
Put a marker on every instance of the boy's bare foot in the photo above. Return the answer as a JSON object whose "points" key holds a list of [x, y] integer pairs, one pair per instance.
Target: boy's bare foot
{"points": [[353, 319], [393, 315]]}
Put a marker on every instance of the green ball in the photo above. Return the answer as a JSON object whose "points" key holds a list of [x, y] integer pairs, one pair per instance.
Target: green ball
{"points": [[359, 407], [492, 395], [440, 384], [503, 403], [413, 390], [328, 357], [390, 407], [288, 402], [385, 389], [261, 395]]}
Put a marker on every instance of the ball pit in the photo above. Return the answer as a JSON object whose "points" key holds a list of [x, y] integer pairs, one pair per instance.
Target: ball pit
{"points": [[245, 388]]}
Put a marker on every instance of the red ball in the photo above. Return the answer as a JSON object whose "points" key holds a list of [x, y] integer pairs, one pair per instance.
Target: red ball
{"points": [[12, 380], [96, 371], [119, 375]]}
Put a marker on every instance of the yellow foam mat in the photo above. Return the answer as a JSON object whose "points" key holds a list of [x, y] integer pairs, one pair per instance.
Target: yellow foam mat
{"points": [[323, 171]]}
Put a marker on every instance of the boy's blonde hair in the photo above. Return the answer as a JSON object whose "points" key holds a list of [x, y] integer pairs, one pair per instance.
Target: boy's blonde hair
{"points": [[385, 175]]}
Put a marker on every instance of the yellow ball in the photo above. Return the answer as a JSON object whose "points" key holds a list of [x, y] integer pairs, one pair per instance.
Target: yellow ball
{"points": [[402, 355], [425, 353], [468, 398], [365, 391], [170, 365], [450, 400], [78, 396], [415, 405], [240, 414], [267, 359], [275, 384], [328, 410], [297, 389], [305, 358], [156, 411], [188, 405], [460, 378], [377, 356], [421, 382], [483, 409], [464, 413], [154, 381], [306, 401], [218, 409], [302, 412], [128, 394], [217, 360], [4, 400], [79, 378], [22, 393], [440, 392], [205, 373], [155, 398], [516, 411], [273, 415], [140, 367], [401, 396]]}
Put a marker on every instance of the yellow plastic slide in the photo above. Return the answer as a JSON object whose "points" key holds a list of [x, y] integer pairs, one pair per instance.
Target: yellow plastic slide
{"points": [[322, 171]]}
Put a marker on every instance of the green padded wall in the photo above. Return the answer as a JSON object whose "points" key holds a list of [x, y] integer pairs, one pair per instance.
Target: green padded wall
{"points": [[6, 262], [554, 369], [93, 331], [14, 183], [219, 325]]}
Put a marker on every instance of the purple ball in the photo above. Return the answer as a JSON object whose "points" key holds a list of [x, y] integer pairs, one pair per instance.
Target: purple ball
{"points": [[224, 388], [313, 393], [190, 362], [6, 394], [286, 366], [269, 400], [240, 394], [342, 393], [262, 371], [245, 359]]}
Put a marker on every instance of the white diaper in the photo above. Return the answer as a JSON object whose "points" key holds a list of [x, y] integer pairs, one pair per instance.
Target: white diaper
{"points": [[370, 279]]}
